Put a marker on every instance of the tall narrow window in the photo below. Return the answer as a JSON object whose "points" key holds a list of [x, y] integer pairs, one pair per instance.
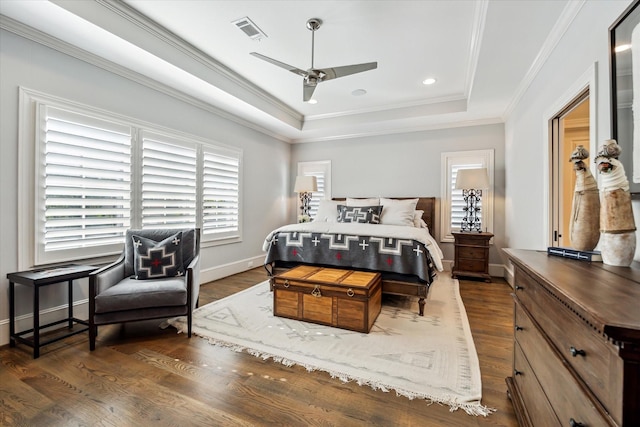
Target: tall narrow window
{"points": [[322, 171], [84, 186], [168, 182], [221, 193], [451, 208]]}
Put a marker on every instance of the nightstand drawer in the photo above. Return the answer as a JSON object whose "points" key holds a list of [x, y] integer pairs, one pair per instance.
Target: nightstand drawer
{"points": [[478, 240], [472, 265], [472, 253]]}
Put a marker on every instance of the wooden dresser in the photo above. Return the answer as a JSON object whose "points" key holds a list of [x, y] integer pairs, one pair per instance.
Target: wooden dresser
{"points": [[576, 359], [471, 255]]}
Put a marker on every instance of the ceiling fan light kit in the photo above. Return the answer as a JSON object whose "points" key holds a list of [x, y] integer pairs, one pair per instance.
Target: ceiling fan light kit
{"points": [[313, 76]]}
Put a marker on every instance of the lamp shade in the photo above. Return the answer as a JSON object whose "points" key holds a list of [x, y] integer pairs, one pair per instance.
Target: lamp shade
{"points": [[305, 184], [472, 179]]}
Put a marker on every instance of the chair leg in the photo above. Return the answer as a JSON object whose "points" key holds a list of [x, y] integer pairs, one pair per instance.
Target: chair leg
{"points": [[93, 332], [189, 319]]}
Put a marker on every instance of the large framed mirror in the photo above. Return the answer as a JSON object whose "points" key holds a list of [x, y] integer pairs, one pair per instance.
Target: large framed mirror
{"points": [[624, 45]]}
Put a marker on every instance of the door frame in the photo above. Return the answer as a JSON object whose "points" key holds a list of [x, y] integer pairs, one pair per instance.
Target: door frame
{"points": [[586, 82]]}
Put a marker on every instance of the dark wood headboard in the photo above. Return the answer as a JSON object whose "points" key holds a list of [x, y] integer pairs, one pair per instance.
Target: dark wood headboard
{"points": [[426, 204]]}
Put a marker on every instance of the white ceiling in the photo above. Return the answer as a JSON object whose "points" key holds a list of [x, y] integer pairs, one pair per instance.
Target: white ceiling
{"points": [[482, 53]]}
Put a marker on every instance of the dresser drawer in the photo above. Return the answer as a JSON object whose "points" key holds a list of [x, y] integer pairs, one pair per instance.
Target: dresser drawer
{"points": [[469, 252], [595, 360], [565, 394], [539, 410]]}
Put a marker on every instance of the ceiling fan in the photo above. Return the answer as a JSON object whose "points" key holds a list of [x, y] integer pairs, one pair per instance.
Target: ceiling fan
{"points": [[313, 76]]}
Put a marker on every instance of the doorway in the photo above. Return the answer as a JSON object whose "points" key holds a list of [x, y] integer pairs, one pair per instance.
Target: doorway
{"points": [[569, 128]]}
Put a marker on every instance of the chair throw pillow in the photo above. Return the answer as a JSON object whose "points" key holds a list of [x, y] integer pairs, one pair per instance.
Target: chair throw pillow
{"points": [[155, 260], [362, 214]]}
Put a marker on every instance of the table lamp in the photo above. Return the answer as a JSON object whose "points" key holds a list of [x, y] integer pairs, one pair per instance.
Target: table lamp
{"points": [[305, 186]]}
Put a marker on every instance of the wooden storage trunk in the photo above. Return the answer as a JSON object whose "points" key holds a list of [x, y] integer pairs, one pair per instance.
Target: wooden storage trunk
{"points": [[329, 296]]}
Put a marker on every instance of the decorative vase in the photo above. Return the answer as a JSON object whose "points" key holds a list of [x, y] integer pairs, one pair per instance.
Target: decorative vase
{"points": [[617, 226], [584, 226]]}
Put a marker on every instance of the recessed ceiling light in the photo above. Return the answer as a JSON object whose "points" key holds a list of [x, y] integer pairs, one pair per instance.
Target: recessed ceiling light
{"points": [[429, 81], [358, 92], [622, 48], [313, 101]]}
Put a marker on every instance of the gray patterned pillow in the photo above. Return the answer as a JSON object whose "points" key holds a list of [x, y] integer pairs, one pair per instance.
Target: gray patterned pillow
{"points": [[155, 260], [361, 214]]}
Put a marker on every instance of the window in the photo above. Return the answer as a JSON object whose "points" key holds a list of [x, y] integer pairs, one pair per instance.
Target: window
{"points": [[169, 179], [221, 193], [98, 174], [451, 212], [322, 171]]}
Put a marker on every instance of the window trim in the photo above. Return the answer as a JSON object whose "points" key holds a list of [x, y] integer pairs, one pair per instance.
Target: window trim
{"points": [[28, 154], [458, 158]]}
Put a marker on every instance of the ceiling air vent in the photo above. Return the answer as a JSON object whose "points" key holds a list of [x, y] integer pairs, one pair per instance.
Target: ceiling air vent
{"points": [[249, 28]]}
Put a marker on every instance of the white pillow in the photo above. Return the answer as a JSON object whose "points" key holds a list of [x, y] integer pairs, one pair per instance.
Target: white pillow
{"points": [[327, 211], [417, 217], [398, 212], [374, 201]]}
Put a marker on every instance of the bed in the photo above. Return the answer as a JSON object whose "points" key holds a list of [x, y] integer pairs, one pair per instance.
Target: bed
{"points": [[399, 246]]}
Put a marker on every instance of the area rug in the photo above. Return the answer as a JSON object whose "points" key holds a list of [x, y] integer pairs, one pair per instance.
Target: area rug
{"points": [[431, 357]]}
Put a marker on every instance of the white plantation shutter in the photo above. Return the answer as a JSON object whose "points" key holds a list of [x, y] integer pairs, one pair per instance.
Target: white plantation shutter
{"points": [[220, 193], [85, 184], [98, 174], [169, 178]]}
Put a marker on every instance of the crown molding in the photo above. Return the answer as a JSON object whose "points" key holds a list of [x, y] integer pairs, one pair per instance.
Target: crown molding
{"points": [[105, 13], [61, 46], [400, 130], [480, 18], [567, 16]]}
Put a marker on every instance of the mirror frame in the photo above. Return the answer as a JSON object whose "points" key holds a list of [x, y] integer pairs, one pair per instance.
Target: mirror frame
{"points": [[621, 27]]}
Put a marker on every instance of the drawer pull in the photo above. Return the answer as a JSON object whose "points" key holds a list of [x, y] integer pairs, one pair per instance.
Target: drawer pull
{"points": [[519, 328], [574, 423], [516, 372], [519, 288], [286, 283], [575, 352], [316, 292], [350, 292]]}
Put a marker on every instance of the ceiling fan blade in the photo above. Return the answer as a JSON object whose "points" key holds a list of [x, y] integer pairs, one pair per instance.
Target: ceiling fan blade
{"points": [[308, 91], [335, 72], [288, 67]]}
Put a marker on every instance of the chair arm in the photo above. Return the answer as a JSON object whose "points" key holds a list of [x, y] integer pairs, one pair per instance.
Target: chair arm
{"points": [[193, 276], [107, 276]]}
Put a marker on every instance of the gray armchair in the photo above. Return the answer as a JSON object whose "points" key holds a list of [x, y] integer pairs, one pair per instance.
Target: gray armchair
{"points": [[117, 296]]}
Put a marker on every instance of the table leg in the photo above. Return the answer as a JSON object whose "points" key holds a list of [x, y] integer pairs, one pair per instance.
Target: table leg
{"points": [[70, 304], [36, 322], [12, 314]]}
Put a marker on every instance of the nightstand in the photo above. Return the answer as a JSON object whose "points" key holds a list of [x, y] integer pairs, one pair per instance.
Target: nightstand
{"points": [[471, 255]]}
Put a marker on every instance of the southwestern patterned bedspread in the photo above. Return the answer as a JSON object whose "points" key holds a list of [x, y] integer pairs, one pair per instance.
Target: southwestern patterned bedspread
{"points": [[402, 250]]}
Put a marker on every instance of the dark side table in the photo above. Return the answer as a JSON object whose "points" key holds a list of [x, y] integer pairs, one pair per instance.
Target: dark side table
{"points": [[37, 279]]}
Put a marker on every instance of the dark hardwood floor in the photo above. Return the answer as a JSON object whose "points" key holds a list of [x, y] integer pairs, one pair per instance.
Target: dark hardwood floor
{"points": [[141, 375]]}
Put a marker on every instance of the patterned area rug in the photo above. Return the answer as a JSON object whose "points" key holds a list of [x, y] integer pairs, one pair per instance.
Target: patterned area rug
{"points": [[431, 357]]}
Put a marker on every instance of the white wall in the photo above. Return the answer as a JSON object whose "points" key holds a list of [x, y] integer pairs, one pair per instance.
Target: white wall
{"points": [[584, 45], [407, 165], [266, 160]]}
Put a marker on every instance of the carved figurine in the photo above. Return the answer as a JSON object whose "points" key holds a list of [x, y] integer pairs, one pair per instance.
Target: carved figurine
{"points": [[584, 226], [617, 226]]}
